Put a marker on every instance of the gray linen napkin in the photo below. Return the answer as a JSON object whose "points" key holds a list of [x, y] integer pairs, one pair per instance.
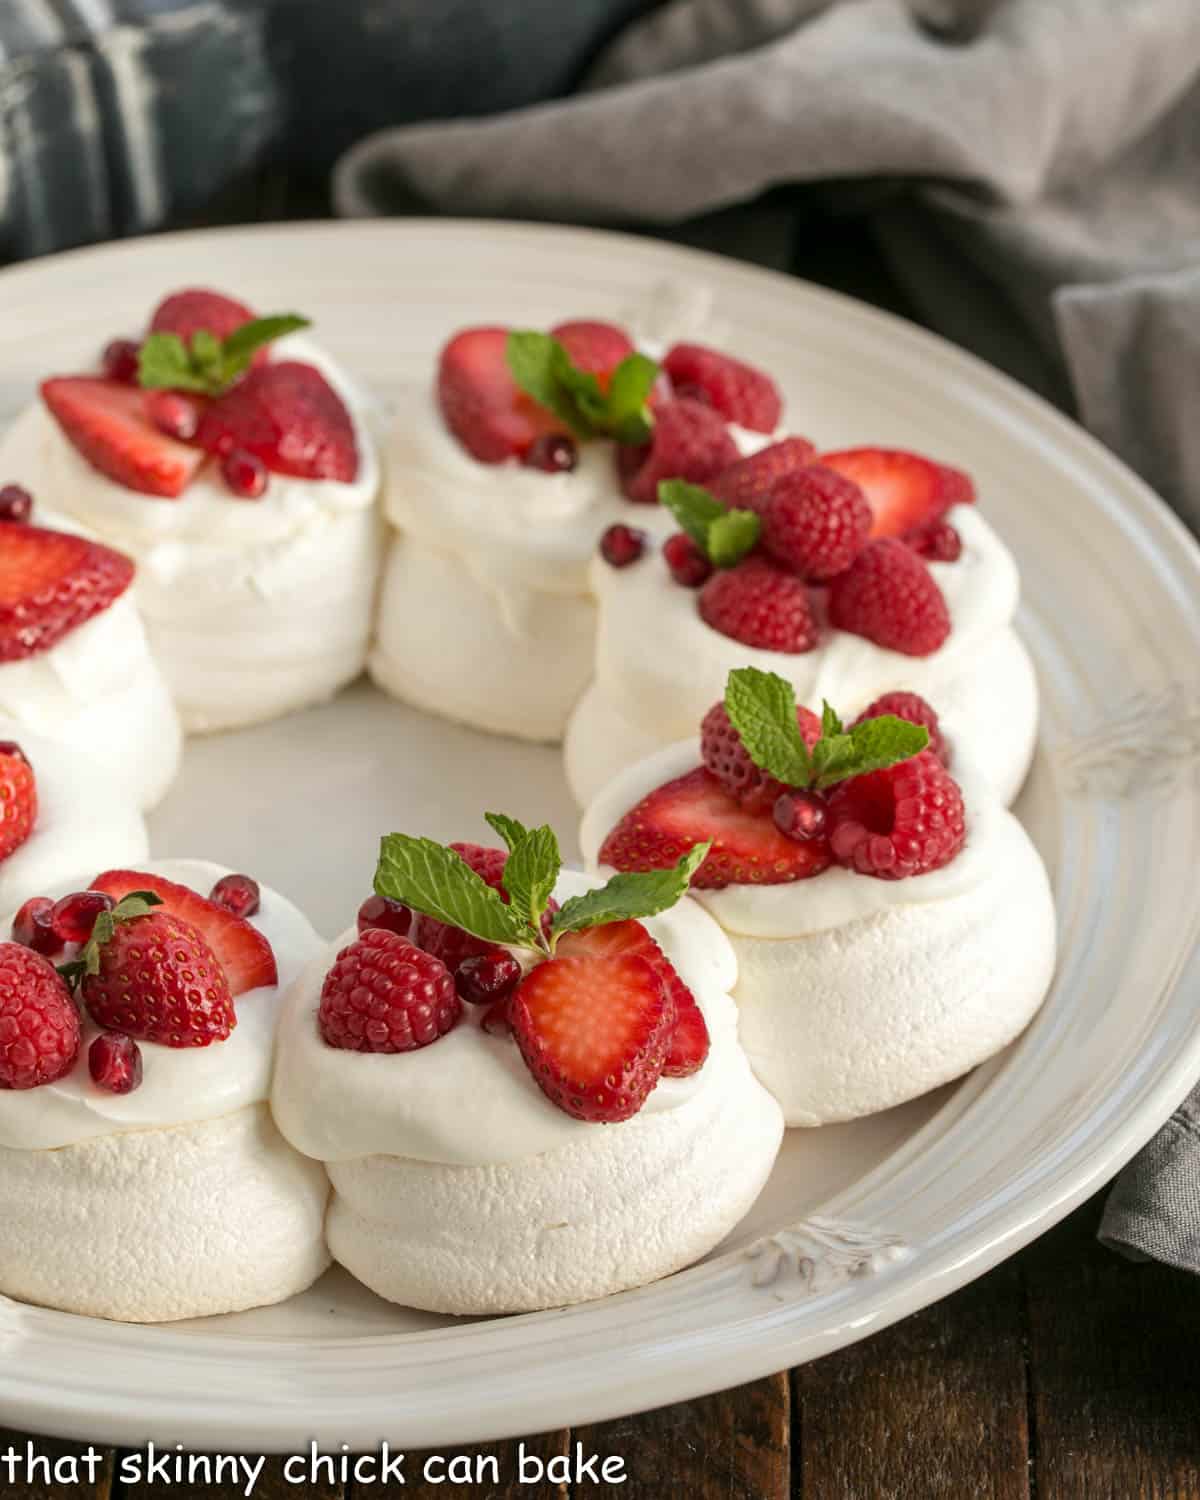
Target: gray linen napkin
{"points": [[1048, 153]]}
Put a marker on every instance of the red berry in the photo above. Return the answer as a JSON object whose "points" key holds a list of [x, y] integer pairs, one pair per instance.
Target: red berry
{"points": [[689, 392], [383, 994], [482, 404], [115, 1062], [889, 596], [16, 503], [738, 391], [32, 928], [688, 564], [288, 416], [905, 820], [761, 605], [161, 982], [195, 308], [913, 708], [18, 799], [39, 1025], [245, 475], [903, 489], [552, 453], [108, 423], [175, 414], [937, 542], [244, 954], [74, 916], [51, 583], [722, 751], [487, 977], [689, 442], [748, 484], [382, 911], [238, 894], [800, 815], [815, 522], [452, 944], [747, 849], [593, 1032], [595, 347], [120, 360], [495, 1018], [622, 545]]}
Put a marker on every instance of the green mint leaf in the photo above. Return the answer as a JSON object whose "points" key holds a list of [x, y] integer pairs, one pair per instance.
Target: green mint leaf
{"points": [[435, 881], [762, 708], [833, 759], [580, 386], [531, 874], [543, 369], [508, 828], [873, 745], [164, 364], [629, 418], [630, 894], [534, 362], [732, 536], [830, 723], [244, 343]]}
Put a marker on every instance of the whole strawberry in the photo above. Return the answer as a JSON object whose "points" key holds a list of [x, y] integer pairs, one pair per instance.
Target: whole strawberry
{"points": [[385, 995], [39, 1025], [889, 596], [158, 980], [18, 798]]}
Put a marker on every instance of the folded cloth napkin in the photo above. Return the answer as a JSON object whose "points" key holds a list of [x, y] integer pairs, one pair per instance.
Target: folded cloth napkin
{"points": [[1049, 155]]}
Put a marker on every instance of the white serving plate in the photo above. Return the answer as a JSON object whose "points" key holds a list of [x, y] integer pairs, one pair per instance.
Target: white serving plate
{"points": [[861, 1224]]}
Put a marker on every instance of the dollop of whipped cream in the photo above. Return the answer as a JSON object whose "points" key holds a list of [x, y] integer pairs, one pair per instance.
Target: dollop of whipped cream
{"points": [[82, 821], [832, 899], [468, 1098], [180, 1085]]}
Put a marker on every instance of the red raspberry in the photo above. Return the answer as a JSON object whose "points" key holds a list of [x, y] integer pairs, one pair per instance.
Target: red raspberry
{"points": [[738, 391], [937, 542], [760, 605], [39, 1025], [889, 596], [913, 708], [815, 522], [690, 441], [383, 994], [722, 751], [906, 820], [747, 484]]}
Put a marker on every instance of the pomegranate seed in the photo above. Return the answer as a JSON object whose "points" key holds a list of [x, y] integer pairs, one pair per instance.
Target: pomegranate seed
{"points": [[244, 473], [10, 747], [115, 1062], [495, 1021], [553, 453], [16, 504], [31, 927], [687, 563], [689, 392], [486, 977], [937, 543], [800, 815], [75, 915], [622, 545], [176, 415], [381, 911], [238, 894], [120, 360]]}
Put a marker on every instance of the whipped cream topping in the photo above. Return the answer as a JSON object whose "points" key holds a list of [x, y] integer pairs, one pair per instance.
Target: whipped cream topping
{"points": [[180, 1085], [82, 821], [468, 1098], [832, 899]]}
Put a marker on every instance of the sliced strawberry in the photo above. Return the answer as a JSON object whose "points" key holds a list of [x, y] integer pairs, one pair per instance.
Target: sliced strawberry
{"points": [[594, 1032], [51, 583], [747, 849], [195, 308], [689, 1043], [289, 416], [18, 798], [482, 404], [245, 955], [597, 348], [107, 422], [904, 490]]}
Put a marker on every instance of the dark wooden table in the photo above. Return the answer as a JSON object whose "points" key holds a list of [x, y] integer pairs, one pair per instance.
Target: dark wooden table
{"points": [[1065, 1374]]}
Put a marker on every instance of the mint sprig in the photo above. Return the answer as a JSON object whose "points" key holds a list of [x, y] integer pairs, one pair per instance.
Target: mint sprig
{"points": [[543, 369], [762, 708], [438, 883], [206, 364], [136, 904], [724, 536]]}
